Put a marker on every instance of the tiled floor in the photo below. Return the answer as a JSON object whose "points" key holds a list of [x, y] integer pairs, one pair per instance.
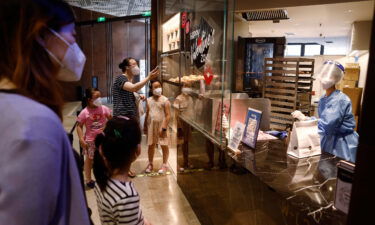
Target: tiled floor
{"points": [[162, 200]]}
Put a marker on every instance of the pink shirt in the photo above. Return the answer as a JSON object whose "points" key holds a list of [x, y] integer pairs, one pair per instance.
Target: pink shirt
{"points": [[94, 120]]}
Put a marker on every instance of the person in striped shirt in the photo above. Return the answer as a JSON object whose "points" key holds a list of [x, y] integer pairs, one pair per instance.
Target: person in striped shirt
{"points": [[119, 146]]}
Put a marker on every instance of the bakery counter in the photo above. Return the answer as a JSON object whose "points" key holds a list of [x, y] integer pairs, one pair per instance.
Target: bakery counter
{"points": [[307, 184], [261, 186]]}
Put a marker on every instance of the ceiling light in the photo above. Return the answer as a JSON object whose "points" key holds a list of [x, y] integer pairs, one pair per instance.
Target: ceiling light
{"points": [[289, 33]]}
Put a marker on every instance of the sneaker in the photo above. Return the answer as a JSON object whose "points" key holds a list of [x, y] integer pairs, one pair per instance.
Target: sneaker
{"points": [[90, 185], [163, 169], [149, 168]]}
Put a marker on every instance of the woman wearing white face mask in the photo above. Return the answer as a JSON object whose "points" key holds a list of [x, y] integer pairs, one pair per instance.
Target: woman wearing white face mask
{"points": [[39, 180], [123, 89], [336, 122]]}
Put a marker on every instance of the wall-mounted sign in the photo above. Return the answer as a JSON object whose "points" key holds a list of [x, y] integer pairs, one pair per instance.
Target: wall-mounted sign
{"points": [[201, 37], [101, 19], [260, 40], [146, 14]]}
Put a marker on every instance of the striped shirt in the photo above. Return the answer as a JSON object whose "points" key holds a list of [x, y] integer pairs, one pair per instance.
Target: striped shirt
{"points": [[124, 103], [119, 204]]}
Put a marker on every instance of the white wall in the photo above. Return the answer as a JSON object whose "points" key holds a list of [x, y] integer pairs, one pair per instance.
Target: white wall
{"points": [[241, 29]]}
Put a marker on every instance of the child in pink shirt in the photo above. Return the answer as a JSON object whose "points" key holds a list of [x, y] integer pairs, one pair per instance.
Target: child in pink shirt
{"points": [[94, 118]]}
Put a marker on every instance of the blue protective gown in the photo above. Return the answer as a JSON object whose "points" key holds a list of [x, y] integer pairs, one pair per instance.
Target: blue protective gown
{"points": [[336, 126]]}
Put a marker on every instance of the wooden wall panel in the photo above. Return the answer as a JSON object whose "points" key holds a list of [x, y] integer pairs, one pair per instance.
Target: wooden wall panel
{"points": [[99, 56]]}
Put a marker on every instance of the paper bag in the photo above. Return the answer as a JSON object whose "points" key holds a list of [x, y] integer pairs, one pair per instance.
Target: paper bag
{"points": [[304, 140]]}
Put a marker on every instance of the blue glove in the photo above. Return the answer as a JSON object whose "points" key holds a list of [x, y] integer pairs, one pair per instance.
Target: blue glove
{"points": [[278, 134]]}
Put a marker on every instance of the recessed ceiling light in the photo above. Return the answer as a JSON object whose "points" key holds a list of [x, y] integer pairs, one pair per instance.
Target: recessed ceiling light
{"points": [[349, 11]]}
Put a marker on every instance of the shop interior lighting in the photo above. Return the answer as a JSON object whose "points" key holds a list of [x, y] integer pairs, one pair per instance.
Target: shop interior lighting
{"points": [[114, 7]]}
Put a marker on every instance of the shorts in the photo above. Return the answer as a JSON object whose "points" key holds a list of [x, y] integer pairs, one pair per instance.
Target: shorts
{"points": [[89, 152]]}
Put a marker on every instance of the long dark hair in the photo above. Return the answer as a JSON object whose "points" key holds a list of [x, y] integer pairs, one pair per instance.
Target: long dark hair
{"points": [[119, 143], [22, 59], [125, 63]]}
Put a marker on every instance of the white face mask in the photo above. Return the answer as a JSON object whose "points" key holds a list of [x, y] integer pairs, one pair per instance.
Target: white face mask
{"points": [[186, 91], [71, 67], [135, 70], [157, 91], [97, 102]]}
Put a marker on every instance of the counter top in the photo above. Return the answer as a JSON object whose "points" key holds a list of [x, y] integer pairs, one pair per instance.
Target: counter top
{"points": [[307, 184]]}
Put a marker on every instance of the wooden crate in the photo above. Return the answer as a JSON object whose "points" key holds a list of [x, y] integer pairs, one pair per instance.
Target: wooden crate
{"points": [[288, 84]]}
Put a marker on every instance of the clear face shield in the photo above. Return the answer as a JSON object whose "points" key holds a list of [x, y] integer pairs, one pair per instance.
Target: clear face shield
{"points": [[330, 74]]}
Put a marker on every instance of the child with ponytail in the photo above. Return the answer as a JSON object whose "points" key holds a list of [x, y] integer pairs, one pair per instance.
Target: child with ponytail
{"points": [[118, 147]]}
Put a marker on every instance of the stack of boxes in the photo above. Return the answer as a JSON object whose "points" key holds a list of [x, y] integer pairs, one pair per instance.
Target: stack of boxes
{"points": [[349, 85], [351, 76]]}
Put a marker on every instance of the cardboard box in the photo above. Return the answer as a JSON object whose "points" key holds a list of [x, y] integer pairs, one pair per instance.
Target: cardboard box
{"points": [[355, 95], [347, 84], [352, 74], [352, 71]]}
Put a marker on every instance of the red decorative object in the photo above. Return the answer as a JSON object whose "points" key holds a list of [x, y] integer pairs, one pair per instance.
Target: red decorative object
{"points": [[183, 19], [208, 75], [199, 42]]}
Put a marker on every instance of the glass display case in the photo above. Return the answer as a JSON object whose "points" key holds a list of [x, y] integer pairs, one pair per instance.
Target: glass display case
{"points": [[194, 53], [216, 164]]}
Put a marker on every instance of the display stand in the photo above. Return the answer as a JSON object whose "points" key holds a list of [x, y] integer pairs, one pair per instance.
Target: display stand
{"points": [[288, 84]]}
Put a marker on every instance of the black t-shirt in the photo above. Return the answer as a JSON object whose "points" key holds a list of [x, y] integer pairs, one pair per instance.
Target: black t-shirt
{"points": [[123, 101]]}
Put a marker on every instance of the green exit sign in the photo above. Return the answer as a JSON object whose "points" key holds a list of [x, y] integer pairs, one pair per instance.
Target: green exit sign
{"points": [[148, 14], [101, 19]]}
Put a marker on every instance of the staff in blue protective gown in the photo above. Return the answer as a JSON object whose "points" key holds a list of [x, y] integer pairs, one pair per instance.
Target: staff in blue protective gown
{"points": [[336, 121]]}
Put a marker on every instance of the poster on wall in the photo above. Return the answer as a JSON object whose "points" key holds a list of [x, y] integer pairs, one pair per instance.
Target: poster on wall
{"points": [[201, 37], [252, 125]]}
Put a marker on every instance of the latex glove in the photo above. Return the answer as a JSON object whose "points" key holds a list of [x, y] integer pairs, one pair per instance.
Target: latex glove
{"points": [[299, 115]]}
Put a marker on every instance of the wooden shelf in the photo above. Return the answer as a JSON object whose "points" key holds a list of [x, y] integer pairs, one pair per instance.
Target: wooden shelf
{"points": [[170, 53], [170, 82], [291, 79]]}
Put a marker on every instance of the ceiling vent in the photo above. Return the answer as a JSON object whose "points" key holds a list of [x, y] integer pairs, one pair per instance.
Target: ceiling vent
{"points": [[114, 7], [274, 15]]}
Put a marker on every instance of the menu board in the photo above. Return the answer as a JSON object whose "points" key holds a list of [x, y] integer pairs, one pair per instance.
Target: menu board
{"points": [[252, 125], [236, 136]]}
